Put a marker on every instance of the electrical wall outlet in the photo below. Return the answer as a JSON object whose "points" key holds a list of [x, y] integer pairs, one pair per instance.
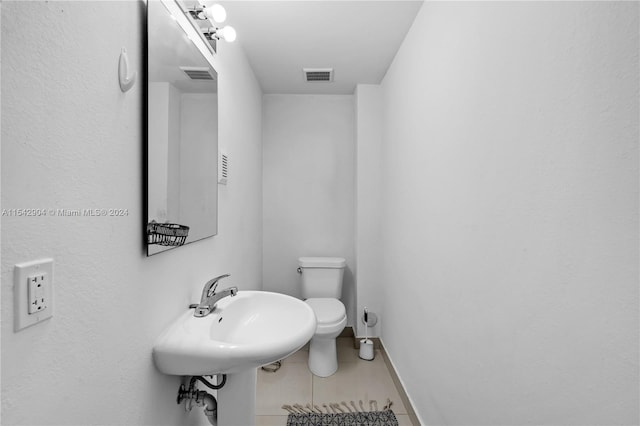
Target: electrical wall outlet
{"points": [[37, 298], [33, 293]]}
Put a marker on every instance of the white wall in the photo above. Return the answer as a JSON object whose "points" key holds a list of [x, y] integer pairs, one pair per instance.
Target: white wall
{"points": [[198, 163], [164, 154], [511, 213], [158, 156], [71, 139], [174, 160], [369, 162], [308, 178]]}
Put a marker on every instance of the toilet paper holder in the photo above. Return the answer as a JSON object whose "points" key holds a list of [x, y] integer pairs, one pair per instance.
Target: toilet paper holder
{"points": [[370, 319]]}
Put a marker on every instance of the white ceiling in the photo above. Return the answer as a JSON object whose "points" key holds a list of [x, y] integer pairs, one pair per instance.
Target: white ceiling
{"points": [[359, 39]]}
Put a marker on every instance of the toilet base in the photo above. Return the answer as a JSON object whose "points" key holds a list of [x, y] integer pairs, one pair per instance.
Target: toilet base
{"points": [[323, 357]]}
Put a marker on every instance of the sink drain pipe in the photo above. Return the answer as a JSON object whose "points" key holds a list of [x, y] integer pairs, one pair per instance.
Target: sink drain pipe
{"points": [[210, 404], [200, 398]]}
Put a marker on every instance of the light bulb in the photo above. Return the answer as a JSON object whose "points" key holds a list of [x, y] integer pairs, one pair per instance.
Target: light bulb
{"points": [[228, 33], [215, 13]]}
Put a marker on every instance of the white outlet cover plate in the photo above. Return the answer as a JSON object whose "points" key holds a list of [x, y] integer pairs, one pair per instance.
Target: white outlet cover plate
{"points": [[22, 273]]}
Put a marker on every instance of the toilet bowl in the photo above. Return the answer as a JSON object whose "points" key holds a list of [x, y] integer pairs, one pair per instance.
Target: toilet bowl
{"points": [[321, 288], [331, 317]]}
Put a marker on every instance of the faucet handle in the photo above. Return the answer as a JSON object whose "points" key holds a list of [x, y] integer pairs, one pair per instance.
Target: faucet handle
{"points": [[213, 284]]}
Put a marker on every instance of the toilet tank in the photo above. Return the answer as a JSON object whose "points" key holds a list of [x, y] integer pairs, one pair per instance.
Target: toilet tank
{"points": [[322, 276]]}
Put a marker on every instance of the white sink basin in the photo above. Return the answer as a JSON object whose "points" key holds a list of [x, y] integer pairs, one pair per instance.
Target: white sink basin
{"points": [[245, 331]]}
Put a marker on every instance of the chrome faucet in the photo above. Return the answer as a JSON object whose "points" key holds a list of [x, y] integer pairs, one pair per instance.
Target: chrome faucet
{"points": [[210, 297]]}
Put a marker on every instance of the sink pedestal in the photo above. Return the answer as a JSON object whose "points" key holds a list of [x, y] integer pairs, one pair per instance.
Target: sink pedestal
{"points": [[237, 399]]}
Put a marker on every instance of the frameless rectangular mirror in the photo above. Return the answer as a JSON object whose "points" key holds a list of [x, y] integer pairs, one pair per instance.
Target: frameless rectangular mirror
{"points": [[182, 136]]}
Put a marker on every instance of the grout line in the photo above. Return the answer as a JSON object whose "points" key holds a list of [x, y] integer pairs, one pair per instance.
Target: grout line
{"points": [[312, 383]]}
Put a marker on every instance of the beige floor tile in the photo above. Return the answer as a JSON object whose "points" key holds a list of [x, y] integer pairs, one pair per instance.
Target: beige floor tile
{"points": [[289, 385], [300, 356], [362, 380], [378, 359], [275, 421], [346, 351]]}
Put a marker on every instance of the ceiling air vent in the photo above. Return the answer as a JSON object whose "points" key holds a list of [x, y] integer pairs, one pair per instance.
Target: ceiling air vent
{"points": [[314, 75], [197, 73]]}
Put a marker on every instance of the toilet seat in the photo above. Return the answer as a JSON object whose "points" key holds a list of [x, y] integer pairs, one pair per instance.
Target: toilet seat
{"points": [[328, 310], [331, 315]]}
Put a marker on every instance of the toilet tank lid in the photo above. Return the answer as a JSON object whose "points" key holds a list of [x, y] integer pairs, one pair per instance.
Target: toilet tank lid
{"points": [[322, 262]]}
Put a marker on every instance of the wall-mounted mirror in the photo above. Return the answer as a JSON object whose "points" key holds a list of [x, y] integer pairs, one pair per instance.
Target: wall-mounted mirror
{"points": [[182, 136]]}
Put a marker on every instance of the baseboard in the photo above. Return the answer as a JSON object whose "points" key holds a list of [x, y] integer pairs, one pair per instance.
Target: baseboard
{"points": [[377, 344], [396, 381]]}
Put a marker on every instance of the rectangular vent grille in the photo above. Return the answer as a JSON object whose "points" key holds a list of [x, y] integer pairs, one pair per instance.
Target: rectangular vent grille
{"points": [[313, 75], [223, 168], [197, 73]]}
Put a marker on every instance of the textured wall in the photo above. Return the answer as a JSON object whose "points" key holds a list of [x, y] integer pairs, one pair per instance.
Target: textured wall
{"points": [[511, 213], [309, 183], [72, 139]]}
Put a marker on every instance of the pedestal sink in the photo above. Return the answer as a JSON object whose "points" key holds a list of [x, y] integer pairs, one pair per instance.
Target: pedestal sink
{"points": [[245, 331]]}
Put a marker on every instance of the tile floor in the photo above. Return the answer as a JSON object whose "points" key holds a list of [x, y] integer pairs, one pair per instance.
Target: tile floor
{"points": [[356, 379]]}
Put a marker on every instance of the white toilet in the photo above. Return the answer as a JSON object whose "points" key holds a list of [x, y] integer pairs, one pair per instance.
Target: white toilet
{"points": [[321, 289]]}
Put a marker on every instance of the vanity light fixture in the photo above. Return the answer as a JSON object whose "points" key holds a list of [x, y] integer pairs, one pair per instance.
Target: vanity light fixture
{"points": [[227, 33], [215, 14]]}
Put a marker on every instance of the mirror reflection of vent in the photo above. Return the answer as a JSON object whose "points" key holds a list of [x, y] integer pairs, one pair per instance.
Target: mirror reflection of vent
{"points": [[223, 168], [197, 73], [314, 75]]}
